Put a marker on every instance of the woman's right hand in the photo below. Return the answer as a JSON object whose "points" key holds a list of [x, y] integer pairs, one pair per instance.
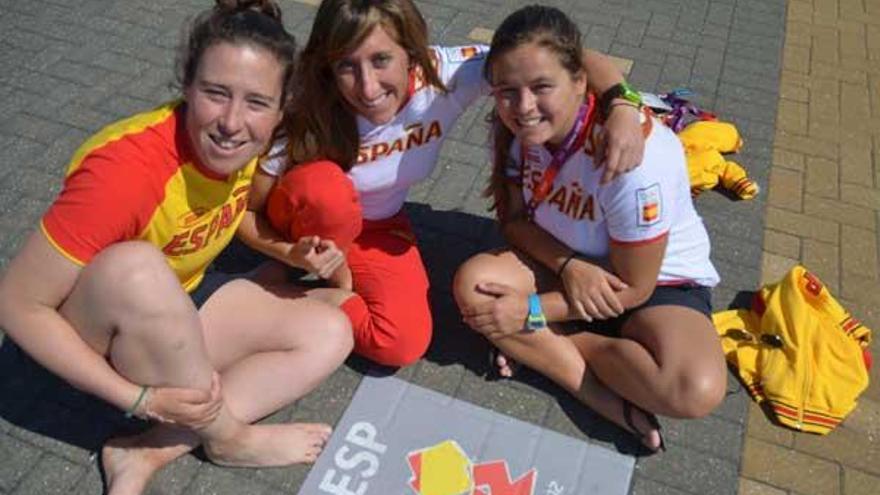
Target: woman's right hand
{"points": [[592, 291], [187, 407], [315, 255]]}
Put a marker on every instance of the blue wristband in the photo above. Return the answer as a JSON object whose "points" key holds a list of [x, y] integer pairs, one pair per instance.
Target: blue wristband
{"points": [[536, 319]]}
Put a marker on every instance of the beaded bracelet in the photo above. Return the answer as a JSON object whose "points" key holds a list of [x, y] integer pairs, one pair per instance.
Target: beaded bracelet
{"points": [[133, 409]]}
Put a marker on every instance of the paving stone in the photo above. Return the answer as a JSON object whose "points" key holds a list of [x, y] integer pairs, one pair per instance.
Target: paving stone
{"points": [[644, 486], [731, 107], [792, 117], [712, 435], [860, 287], [858, 250], [646, 75], [16, 460], [858, 483], [856, 161], [774, 267], [801, 225], [843, 213], [785, 245], [796, 58], [661, 26], [690, 470], [32, 127], [335, 393], [821, 178], [824, 260], [785, 189], [50, 475], [789, 469], [865, 419], [751, 487], [855, 194], [520, 404], [789, 159], [631, 32], [214, 480], [844, 446], [762, 427]]}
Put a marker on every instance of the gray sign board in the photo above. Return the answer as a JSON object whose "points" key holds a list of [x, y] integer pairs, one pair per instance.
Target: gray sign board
{"points": [[397, 438]]}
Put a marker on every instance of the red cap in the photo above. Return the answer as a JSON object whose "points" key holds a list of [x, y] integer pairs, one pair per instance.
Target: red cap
{"points": [[316, 198]]}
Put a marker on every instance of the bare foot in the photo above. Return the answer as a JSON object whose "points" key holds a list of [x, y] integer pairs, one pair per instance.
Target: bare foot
{"points": [[270, 445], [130, 462], [506, 366], [610, 405]]}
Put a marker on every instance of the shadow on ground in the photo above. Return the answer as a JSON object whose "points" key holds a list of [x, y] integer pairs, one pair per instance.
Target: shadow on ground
{"points": [[35, 400]]}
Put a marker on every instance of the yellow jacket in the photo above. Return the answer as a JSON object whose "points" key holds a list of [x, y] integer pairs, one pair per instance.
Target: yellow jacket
{"points": [[799, 349], [704, 142]]}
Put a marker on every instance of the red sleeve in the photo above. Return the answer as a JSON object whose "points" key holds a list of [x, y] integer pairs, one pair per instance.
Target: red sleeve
{"points": [[103, 201]]}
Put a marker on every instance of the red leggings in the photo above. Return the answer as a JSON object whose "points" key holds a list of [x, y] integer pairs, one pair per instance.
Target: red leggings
{"points": [[389, 311]]}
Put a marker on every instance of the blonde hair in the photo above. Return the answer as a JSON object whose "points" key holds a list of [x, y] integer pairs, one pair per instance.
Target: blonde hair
{"points": [[320, 125]]}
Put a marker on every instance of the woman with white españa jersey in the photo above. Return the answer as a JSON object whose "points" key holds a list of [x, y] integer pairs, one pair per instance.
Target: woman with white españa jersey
{"points": [[631, 255], [375, 105]]}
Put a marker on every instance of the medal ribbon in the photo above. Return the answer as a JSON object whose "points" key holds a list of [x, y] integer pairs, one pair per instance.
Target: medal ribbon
{"points": [[574, 140]]}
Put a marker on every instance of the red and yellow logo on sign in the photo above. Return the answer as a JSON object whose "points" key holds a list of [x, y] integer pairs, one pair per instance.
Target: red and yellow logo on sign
{"points": [[445, 469]]}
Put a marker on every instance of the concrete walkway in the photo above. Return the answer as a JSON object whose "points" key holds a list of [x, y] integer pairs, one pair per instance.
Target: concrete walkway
{"points": [[822, 212]]}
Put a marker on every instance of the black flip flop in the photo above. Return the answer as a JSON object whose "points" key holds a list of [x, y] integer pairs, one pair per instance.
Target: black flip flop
{"points": [[652, 420], [493, 372]]}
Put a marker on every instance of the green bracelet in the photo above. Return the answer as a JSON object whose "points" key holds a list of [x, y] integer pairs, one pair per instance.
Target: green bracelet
{"points": [[131, 411]]}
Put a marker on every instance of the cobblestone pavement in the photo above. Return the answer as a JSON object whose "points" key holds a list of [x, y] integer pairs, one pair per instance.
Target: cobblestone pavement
{"points": [[71, 67], [822, 212]]}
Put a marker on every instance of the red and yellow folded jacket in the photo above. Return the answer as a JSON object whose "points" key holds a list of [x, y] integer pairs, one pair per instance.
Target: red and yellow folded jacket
{"points": [[799, 349], [704, 142]]}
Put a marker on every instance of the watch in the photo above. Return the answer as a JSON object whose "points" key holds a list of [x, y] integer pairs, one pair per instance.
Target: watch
{"points": [[536, 319], [619, 90]]}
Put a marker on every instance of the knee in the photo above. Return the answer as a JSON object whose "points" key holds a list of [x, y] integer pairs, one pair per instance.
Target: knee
{"points": [[698, 394], [336, 336], [136, 271], [329, 329], [477, 269], [316, 198]]}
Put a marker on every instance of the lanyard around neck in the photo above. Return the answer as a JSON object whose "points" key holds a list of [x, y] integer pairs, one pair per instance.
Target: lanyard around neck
{"points": [[574, 141]]}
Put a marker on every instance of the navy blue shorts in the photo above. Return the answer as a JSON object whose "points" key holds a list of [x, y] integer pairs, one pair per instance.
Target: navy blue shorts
{"points": [[695, 297]]}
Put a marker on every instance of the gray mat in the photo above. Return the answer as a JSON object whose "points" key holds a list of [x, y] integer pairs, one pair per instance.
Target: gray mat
{"points": [[397, 438]]}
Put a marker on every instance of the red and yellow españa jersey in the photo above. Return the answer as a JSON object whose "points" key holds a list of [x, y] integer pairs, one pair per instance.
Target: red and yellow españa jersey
{"points": [[137, 179]]}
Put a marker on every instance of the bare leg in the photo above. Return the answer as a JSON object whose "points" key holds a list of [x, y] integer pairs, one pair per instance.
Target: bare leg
{"points": [[555, 356], [128, 304], [674, 363]]}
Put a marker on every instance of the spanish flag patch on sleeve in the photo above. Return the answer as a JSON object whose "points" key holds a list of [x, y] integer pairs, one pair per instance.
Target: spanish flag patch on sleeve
{"points": [[650, 205]]}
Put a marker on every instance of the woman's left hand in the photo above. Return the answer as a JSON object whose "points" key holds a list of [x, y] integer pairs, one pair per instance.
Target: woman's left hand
{"points": [[623, 145], [502, 316]]}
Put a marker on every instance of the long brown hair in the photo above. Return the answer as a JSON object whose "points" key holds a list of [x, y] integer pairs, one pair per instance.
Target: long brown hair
{"points": [[547, 27], [320, 125], [256, 22]]}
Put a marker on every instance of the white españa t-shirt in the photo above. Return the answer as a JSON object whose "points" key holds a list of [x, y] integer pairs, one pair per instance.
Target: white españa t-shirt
{"points": [[637, 207], [396, 155]]}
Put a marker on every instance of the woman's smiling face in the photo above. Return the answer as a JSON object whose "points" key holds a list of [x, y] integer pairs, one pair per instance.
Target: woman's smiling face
{"points": [[535, 96], [374, 77], [233, 105]]}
